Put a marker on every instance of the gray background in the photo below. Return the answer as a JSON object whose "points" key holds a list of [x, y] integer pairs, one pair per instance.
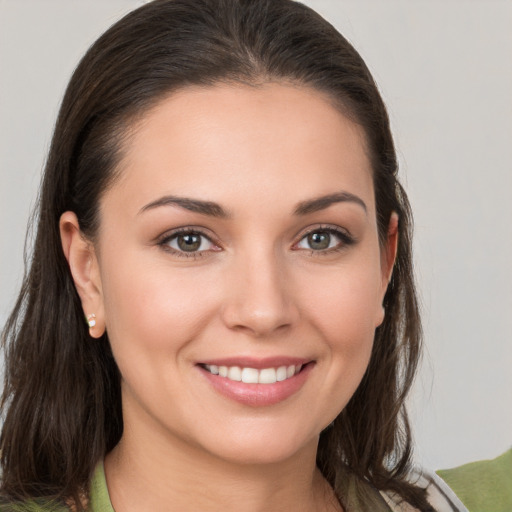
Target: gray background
{"points": [[445, 71]]}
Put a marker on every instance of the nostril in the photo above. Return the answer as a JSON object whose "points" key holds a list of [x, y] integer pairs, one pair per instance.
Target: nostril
{"points": [[258, 302]]}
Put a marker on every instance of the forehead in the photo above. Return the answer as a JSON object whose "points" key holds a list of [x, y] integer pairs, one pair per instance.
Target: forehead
{"points": [[211, 142]]}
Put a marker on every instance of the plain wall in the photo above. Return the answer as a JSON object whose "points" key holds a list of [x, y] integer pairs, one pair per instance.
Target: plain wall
{"points": [[445, 72]]}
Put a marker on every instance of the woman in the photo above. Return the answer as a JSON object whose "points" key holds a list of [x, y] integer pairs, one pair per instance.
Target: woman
{"points": [[221, 203]]}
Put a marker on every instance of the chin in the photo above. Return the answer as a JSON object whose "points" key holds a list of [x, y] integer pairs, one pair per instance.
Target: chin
{"points": [[264, 446], [258, 455]]}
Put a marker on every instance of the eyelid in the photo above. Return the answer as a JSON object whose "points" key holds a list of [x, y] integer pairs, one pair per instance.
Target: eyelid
{"points": [[346, 237], [164, 239]]}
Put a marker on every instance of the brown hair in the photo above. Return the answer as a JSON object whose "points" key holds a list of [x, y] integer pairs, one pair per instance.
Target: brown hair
{"points": [[61, 400]]}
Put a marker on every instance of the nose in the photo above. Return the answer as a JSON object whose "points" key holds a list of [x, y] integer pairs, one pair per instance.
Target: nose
{"points": [[260, 300]]}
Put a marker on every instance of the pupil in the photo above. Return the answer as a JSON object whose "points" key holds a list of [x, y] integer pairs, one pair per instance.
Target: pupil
{"points": [[190, 242], [319, 240]]}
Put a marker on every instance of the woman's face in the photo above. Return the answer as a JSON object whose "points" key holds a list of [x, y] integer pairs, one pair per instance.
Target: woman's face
{"points": [[240, 242]]}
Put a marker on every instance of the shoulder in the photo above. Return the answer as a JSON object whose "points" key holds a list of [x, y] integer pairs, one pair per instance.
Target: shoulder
{"points": [[483, 485], [97, 501], [440, 497], [31, 506]]}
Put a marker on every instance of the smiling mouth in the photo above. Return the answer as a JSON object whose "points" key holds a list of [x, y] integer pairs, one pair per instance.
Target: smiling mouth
{"points": [[257, 382], [253, 375]]}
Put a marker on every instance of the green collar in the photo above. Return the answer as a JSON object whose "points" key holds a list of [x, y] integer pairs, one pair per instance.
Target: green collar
{"points": [[99, 498]]}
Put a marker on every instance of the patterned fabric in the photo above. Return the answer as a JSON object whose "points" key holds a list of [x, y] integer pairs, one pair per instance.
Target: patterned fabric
{"points": [[439, 495]]}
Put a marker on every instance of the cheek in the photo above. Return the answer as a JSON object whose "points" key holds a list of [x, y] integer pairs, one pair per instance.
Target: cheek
{"points": [[342, 310], [346, 305], [345, 308], [153, 307]]}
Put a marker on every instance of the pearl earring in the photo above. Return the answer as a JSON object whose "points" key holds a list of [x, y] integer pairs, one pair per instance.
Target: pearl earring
{"points": [[91, 320]]}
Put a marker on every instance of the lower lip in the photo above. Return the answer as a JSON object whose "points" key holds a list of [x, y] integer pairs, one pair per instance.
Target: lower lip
{"points": [[258, 395]]}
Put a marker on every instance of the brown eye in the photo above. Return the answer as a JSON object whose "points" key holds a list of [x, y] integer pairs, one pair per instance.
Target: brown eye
{"points": [[319, 241], [325, 240], [190, 242]]}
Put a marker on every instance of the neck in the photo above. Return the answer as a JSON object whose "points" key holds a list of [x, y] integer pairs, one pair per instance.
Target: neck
{"points": [[155, 475]]}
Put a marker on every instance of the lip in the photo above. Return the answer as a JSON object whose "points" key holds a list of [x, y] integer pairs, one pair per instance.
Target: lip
{"points": [[258, 395], [257, 363]]}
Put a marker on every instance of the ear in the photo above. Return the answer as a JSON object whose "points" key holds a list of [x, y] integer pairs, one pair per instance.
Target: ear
{"points": [[388, 257], [388, 254], [83, 264]]}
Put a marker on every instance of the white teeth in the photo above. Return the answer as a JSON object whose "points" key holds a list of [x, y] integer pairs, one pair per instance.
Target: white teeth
{"points": [[267, 376], [281, 373], [235, 373], [250, 376], [253, 376]]}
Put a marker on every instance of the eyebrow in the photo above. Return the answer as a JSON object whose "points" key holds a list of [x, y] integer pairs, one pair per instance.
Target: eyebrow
{"points": [[194, 205], [215, 210], [323, 202]]}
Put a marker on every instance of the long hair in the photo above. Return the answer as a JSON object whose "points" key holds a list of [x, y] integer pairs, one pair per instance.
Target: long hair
{"points": [[61, 400]]}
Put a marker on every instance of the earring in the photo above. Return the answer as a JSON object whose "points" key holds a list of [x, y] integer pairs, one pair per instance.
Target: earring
{"points": [[91, 320]]}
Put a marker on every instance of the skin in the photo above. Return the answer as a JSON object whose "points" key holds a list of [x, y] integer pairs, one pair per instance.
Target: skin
{"points": [[255, 289]]}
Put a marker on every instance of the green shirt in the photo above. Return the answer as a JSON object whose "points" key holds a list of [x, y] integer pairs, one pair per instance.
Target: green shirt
{"points": [[483, 486], [99, 500]]}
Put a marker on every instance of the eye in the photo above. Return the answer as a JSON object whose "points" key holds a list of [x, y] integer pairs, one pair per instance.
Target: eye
{"points": [[324, 239], [188, 242]]}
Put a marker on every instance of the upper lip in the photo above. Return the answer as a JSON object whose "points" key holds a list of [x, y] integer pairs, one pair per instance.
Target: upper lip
{"points": [[257, 363]]}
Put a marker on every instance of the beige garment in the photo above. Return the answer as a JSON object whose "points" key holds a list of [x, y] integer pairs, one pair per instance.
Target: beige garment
{"points": [[360, 496], [439, 495]]}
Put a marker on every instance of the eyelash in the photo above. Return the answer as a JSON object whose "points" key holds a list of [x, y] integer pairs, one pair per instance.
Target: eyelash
{"points": [[345, 238], [168, 238]]}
